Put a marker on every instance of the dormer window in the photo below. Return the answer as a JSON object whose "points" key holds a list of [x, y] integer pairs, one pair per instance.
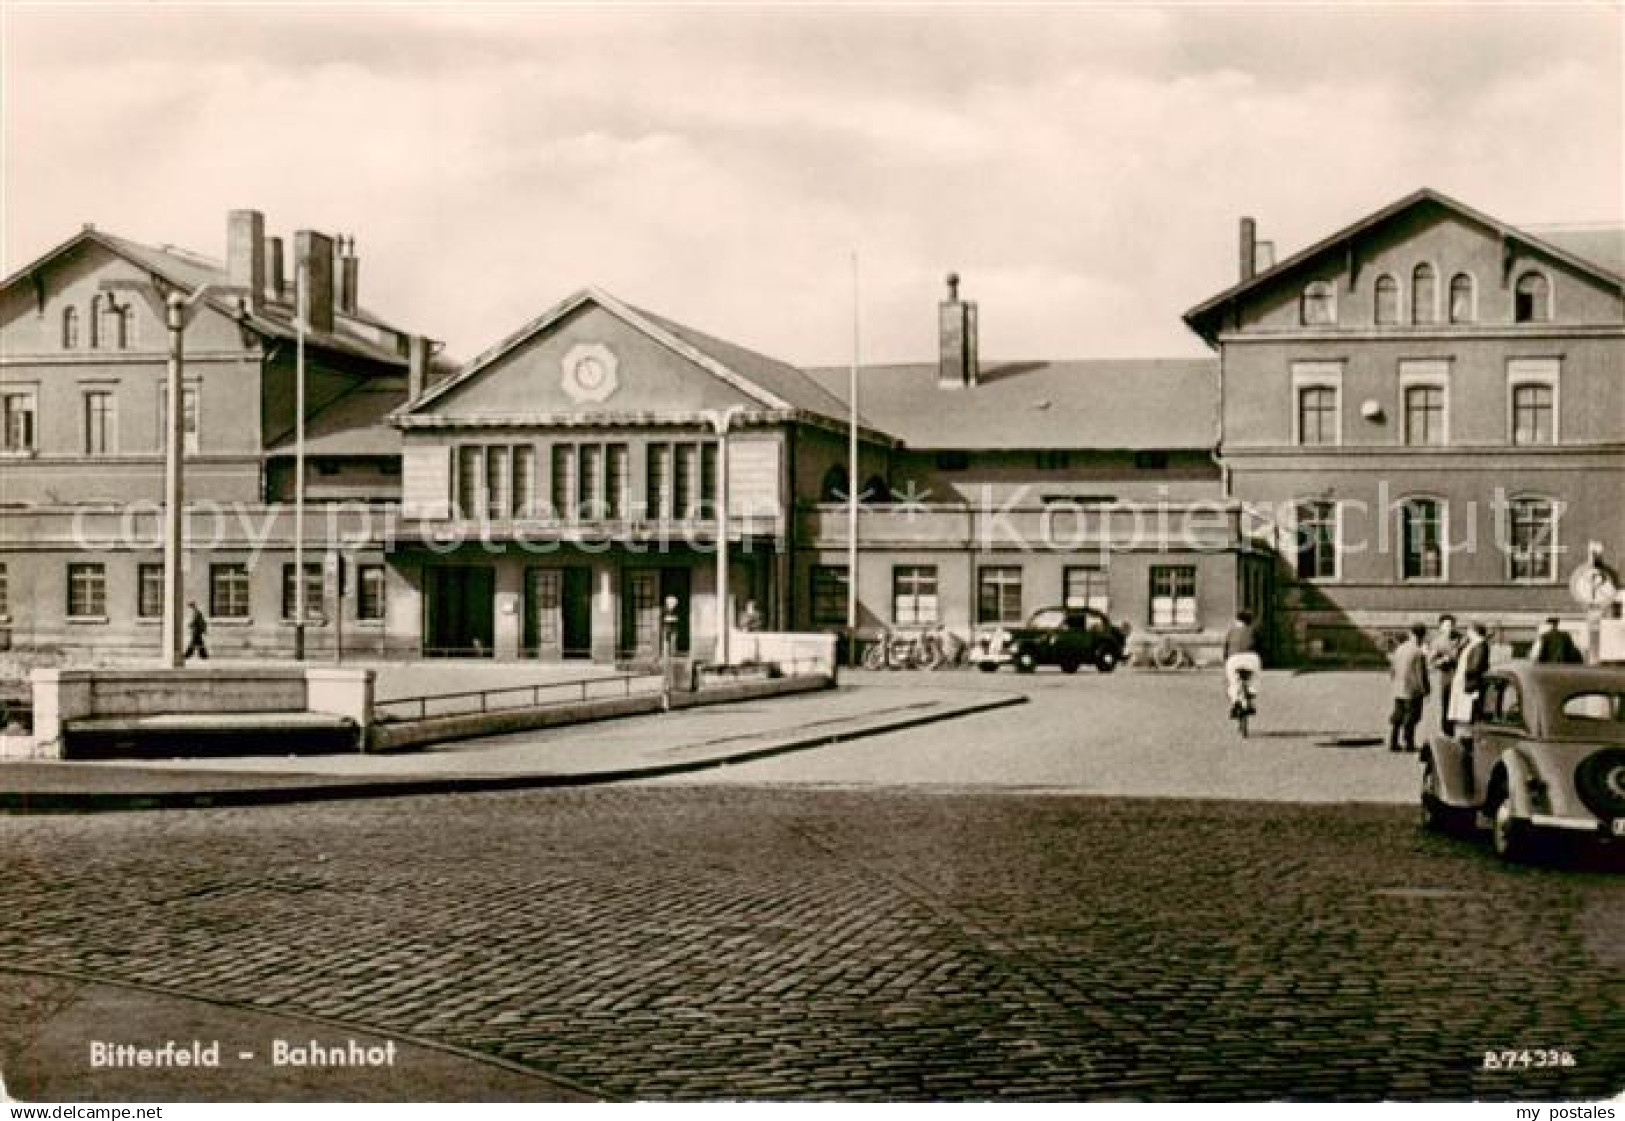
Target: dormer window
{"points": [[70, 328], [1387, 301], [1424, 294], [1319, 305], [1532, 299], [1462, 299]]}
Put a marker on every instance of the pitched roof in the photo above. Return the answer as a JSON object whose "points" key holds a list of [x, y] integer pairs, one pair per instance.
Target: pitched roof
{"points": [[1138, 404], [190, 271], [1199, 318], [355, 423], [1602, 245]]}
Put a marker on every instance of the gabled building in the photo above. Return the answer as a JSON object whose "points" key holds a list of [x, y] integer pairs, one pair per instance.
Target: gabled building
{"points": [[83, 353], [1429, 406]]}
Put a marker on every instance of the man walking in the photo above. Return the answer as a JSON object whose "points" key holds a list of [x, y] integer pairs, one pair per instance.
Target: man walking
{"points": [[1241, 653], [196, 627], [1409, 672], [1442, 654]]}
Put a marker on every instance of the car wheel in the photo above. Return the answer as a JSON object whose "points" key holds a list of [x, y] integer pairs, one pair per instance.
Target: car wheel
{"points": [[1508, 835], [1070, 663], [1106, 660], [1437, 817], [1025, 662], [1599, 780]]}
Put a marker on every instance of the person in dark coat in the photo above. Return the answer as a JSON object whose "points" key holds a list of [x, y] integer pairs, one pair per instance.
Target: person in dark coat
{"points": [[196, 627], [1408, 670], [1553, 644]]}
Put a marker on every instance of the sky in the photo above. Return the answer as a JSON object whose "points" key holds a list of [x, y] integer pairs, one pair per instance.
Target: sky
{"points": [[1081, 167]]}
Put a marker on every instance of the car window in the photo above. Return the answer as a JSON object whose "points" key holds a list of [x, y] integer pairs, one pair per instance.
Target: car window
{"points": [[1602, 707], [1048, 619], [1511, 705], [1488, 705]]}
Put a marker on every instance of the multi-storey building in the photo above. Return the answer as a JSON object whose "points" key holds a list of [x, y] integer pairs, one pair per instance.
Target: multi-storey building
{"points": [[83, 352], [1429, 405]]}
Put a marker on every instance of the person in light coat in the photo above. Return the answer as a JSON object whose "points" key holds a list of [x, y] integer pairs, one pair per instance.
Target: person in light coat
{"points": [[1469, 679], [1408, 671]]}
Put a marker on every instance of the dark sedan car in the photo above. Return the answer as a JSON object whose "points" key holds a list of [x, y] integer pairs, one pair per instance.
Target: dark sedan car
{"points": [[1068, 637]]}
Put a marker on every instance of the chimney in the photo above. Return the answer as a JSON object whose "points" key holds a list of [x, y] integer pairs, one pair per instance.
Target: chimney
{"points": [[276, 280], [956, 320], [313, 256], [418, 352], [349, 276], [245, 254], [1249, 249]]}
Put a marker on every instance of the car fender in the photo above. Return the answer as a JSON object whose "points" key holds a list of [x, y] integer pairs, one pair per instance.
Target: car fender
{"points": [[1450, 762], [1516, 771]]}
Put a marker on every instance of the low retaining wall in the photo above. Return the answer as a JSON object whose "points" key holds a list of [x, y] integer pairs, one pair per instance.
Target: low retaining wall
{"points": [[791, 653], [408, 734]]}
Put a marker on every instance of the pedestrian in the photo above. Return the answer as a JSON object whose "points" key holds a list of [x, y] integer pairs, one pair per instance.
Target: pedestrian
{"points": [[1469, 680], [1553, 644], [1241, 653], [196, 627], [1442, 654], [750, 619], [1408, 670]]}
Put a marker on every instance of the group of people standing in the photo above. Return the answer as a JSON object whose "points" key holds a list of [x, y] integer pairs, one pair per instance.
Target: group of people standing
{"points": [[1458, 662]]}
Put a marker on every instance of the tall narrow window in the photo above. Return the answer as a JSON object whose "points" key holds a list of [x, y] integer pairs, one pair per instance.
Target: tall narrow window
{"points": [[708, 477], [1532, 299], [498, 482], [914, 595], [470, 482], [1461, 299], [658, 498], [17, 422], [998, 594], [1424, 294], [1318, 307], [1532, 539], [1387, 300], [1421, 525], [98, 336], [617, 483], [1424, 414], [1532, 414], [687, 482], [1317, 415], [564, 482], [1173, 595], [87, 591], [126, 327], [829, 584], [1317, 540], [101, 423], [70, 328], [369, 603], [189, 425], [149, 595], [524, 481], [5, 594], [591, 483], [313, 592]]}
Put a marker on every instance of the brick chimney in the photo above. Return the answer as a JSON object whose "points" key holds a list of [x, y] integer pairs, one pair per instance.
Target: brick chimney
{"points": [[245, 254], [956, 322], [313, 256], [1248, 249], [418, 352], [276, 276], [349, 276]]}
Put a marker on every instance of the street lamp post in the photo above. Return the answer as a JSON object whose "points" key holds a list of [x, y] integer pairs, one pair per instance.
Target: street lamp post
{"points": [[721, 419]]}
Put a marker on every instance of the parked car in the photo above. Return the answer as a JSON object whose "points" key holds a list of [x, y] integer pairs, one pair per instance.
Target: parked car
{"points": [[1068, 637], [1544, 755]]}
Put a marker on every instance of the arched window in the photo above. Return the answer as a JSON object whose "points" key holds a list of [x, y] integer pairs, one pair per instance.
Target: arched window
{"points": [[1461, 299], [876, 489], [96, 328], [1387, 300], [1319, 305], [1532, 299], [834, 488], [70, 328], [126, 326], [1424, 294], [1421, 536]]}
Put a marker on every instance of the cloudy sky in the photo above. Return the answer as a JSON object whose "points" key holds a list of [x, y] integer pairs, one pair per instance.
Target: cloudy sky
{"points": [[1082, 167]]}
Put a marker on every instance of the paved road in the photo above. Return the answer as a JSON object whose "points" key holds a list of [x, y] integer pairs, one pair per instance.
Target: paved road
{"points": [[938, 943]]}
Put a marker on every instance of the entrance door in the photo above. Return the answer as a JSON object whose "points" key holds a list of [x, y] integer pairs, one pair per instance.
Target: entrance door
{"points": [[576, 609], [640, 612], [459, 611]]}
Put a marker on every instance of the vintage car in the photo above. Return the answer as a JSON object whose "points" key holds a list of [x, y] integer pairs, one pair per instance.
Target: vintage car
{"points": [[1544, 755], [1068, 637]]}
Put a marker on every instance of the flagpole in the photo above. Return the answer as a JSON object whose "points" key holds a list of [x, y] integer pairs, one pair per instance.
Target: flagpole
{"points": [[301, 324], [852, 478]]}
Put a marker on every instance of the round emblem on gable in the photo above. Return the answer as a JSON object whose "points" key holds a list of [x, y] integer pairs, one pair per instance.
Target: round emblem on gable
{"points": [[590, 373]]}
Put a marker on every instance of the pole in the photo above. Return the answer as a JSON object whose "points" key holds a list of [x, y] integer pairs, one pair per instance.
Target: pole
{"points": [[852, 481], [174, 489], [724, 622], [302, 298]]}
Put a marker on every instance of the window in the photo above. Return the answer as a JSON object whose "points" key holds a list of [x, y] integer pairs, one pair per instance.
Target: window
{"points": [[70, 328], [498, 482], [126, 327], [914, 595], [1319, 305], [1173, 595], [829, 591], [833, 488], [524, 481], [1421, 531], [1463, 300], [1386, 299], [101, 423], [686, 481], [369, 603], [1085, 586], [1532, 299], [470, 469], [1532, 414], [1424, 294], [1424, 414], [313, 592], [1532, 539], [564, 482], [659, 480], [708, 477], [5, 594], [953, 461], [1151, 461], [1317, 415], [998, 594], [228, 591], [618, 483], [17, 422], [110, 325], [590, 486], [189, 436], [87, 591], [149, 592], [98, 336], [1317, 540]]}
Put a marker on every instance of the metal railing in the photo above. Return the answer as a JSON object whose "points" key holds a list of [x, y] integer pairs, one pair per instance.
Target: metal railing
{"points": [[510, 697]]}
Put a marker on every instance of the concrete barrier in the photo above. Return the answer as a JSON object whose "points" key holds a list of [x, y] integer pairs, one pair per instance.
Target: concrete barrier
{"points": [[789, 653]]}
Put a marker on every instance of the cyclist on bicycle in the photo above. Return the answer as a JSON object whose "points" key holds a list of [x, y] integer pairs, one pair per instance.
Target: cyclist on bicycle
{"points": [[1241, 653]]}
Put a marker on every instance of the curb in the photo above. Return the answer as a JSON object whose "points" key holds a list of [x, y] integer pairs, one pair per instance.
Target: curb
{"points": [[15, 802]]}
